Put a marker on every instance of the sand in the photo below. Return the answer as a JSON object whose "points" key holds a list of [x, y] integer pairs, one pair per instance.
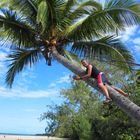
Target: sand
{"points": [[15, 137]]}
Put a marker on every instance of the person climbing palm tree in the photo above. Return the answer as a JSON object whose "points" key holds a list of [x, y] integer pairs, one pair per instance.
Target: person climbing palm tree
{"points": [[93, 72]]}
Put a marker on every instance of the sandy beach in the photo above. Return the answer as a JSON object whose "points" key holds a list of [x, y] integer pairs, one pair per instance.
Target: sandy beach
{"points": [[15, 137]]}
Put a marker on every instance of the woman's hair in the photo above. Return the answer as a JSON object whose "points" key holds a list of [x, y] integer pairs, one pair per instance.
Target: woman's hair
{"points": [[83, 60]]}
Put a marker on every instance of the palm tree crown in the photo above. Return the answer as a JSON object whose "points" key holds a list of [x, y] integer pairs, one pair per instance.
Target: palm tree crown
{"points": [[34, 26]]}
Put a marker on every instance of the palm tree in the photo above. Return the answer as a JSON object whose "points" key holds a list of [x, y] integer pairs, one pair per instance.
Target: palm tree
{"points": [[63, 28]]}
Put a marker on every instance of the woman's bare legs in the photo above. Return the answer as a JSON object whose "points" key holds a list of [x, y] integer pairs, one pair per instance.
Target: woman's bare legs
{"points": [[120, 91], [104, 88]]}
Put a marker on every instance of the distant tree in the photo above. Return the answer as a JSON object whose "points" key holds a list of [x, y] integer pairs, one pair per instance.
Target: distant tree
{"points": [[71, 118]]}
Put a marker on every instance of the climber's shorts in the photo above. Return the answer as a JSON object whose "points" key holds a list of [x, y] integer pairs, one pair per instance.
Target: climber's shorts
{"points": [[101, 78]]}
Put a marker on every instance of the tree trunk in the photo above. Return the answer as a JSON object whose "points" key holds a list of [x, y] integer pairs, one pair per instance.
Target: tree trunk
{"points": [[124, 103]]}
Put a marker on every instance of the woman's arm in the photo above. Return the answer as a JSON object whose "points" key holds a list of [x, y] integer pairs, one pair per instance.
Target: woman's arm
{"points": [[88, 75]]}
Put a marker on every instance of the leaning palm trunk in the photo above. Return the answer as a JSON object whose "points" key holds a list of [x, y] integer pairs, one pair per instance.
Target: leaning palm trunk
{"points": [[124, 103]]}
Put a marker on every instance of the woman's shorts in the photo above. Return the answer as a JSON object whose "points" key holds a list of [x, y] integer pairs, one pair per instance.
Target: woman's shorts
{"points": [[101, 78]]}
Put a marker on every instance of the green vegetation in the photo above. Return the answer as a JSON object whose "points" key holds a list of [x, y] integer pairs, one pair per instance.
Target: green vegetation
{"points": [[83, 116]]}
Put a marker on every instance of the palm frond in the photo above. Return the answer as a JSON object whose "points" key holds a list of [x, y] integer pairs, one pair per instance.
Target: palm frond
{"points": [[20, 58], [80, 30], [49, 14], [107, 48], [16, 29], [64, 20], [75, 13], [42, 14], [72, 57], [85, 8], [27, 8], [127, 4], [68, 7], [104, 21], [73, 33]]}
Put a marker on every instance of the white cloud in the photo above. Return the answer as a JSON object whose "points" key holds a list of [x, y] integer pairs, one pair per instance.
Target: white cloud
{"points": [[27, 76], [3, 56], [137, 48], [137, 41], [2, 62], [4, 48], [24, 93], [2, 67], [62, 80], [128, 33], [52, 85]]}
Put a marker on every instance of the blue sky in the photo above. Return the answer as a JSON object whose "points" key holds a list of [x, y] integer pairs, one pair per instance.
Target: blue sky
{"points": [[21, 106], [33, 89]]}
